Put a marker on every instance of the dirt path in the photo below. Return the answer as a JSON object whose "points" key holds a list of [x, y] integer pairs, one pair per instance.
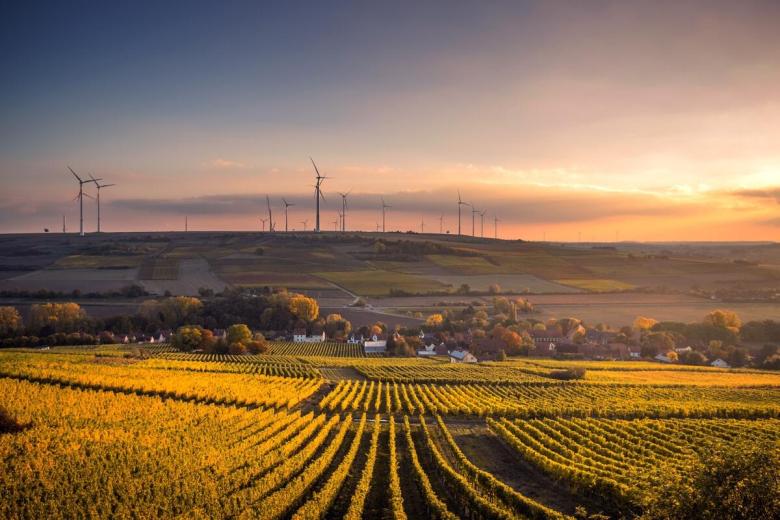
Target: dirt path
{"points": [[487, 451], [341, 373]]}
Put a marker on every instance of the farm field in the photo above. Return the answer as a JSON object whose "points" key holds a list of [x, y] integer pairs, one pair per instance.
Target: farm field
{"points": [[299, 434], [379, 282]]}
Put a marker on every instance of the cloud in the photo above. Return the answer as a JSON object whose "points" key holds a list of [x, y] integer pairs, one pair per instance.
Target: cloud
{"points": [[765, 193], [529, 204], [226, 164]]}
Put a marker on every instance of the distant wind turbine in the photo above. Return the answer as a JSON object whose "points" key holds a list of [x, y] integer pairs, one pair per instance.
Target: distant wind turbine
{"points": [[286, 205], [422, 224], [495, 227], [270, 215], [99, 186], [318, 193], [460, 203], [482, 223], [474, 211], [336, 223], [441, 223], [344, 210], [384, 208], [263, 220], [80, 198], [304, 222]]}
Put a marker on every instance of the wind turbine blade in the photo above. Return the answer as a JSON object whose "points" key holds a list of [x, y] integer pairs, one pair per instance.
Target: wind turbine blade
{"points": [[74, 174], [315, 166]]}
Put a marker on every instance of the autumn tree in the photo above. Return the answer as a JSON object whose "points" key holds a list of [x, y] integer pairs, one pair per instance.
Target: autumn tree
{"points": [[10, 321], [304, 307], [191, 337], [724, 319], [434, 321], [337, 327], [643, 323], [238, 333], [56, 317]]}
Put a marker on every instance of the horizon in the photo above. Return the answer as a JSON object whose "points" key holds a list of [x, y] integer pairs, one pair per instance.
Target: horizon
{"points": [[568, 123]]}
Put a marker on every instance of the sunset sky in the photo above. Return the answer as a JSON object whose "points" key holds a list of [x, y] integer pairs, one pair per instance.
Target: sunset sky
{"points": [[599, 120]]}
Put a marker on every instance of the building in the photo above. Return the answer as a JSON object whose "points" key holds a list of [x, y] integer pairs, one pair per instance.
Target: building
{"points": [[427, 350], [720, 364], [375, 344], [462, 356], [299, 336], [663, 358]]}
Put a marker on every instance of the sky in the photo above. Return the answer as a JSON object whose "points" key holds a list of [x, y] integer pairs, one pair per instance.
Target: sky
{"points": [[566, 121]]}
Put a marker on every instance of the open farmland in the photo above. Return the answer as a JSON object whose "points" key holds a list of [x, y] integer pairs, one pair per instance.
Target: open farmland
{"points": [[274, 436]]}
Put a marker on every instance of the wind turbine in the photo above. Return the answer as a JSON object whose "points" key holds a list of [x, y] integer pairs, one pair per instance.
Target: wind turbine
{"points": [[286, 205], [422, 225], [98, 185], [304, 222], [495, 227], [318, 193], [441, 223], [460, 203], [80, 197], [264, 220], [336, 224], [270, 215], [474, 211], [482, 223], [384, 207], [344, 210]]}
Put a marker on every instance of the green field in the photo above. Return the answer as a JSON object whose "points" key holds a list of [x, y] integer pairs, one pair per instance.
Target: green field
{"points": [[598, 285], [380, 283]]}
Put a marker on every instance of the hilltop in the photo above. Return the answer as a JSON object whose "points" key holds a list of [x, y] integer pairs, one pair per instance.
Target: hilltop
{"points": [[399, 274]]}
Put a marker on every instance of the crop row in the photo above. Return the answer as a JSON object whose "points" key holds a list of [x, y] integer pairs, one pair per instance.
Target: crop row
{"points": [[533, 400]]}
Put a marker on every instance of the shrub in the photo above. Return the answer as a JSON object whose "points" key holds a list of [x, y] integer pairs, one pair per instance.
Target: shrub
{"points": [[568, 374]]}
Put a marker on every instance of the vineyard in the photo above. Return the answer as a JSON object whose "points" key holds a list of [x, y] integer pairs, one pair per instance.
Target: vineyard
{"points": [[103, 433], [325, 348]]}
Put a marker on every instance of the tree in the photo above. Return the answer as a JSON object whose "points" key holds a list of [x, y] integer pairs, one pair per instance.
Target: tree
{"points": [[236, 349], [258, 345], [494, 288], [10, 321], [693, 358], [238, 333], [337, 327], [56, 317], [191, 337], [304, 308], [464, 289], [724, 319], [731, 481], [434, 321], [643, 323]]}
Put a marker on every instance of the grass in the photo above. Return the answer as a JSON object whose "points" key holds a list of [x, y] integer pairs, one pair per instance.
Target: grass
{"points": [[379, 282], [597, 285], [159, 269], [464, 264]]}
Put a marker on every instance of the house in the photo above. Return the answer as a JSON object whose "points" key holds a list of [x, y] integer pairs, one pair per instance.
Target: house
{"points": [[600, 337], [427, 350], [462, 356], [634, 352], [299, 336], [355, 340], [684, 350], [375, 344], [663, 358], [720, 364]]}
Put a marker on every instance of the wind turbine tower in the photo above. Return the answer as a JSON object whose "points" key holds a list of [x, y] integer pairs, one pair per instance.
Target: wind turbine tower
{"points": [[286, 205], [384, 208], [474, 211], [80, 196], [270, 215], [495, 227], [304, 222], [318, 194], [263, 220], [98, 185], [63, 224], [441, 223], [460, 203], [482, 223], [344, 210]]}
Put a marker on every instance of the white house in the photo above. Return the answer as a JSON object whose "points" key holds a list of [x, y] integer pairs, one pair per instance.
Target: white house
{"points": [[462, 356], [299, 336], [375, 345], [355, 340], [720, 363], [427, 350]]}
